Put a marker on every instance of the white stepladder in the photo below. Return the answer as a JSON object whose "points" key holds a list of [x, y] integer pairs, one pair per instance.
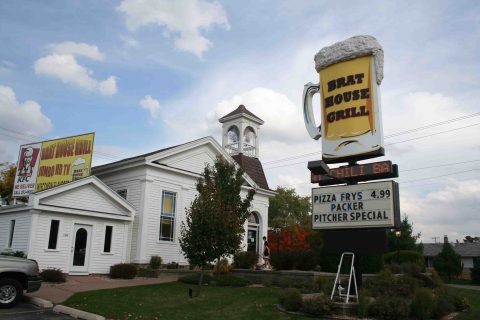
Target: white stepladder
{"points": [[351, 275]]}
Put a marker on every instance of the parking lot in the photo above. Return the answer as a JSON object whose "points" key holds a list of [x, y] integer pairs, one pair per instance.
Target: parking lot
{"points": [[27, 311]]}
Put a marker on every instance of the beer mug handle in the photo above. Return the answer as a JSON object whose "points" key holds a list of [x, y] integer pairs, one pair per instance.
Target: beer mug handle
{"points": [[309, 90]]}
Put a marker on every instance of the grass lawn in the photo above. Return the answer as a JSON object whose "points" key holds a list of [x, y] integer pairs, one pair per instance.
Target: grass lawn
{"points": [[473, 297], [171, 301]]}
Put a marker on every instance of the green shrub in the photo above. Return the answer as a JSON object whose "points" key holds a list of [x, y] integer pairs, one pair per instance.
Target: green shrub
{"points": [[172, 265], [155, 262], [19, 254], [222, 267], [317, 306], [422, 304], [282, 260], [363, 303], [390, 308], [194, 278], [324, 285], [305, 260], [442, 305], [245, 260], [405, 256], [123, 271], [386, 285], [290, 299], [227, 280], [53, 275]]}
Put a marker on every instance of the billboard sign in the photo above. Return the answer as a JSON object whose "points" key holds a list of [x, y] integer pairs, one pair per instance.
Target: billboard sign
{"points": [[51, 163], [27, 169], [368, 205], [350, 74]]}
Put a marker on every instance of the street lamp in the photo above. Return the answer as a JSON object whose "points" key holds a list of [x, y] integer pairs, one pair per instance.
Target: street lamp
{"points": [[398, 233]]}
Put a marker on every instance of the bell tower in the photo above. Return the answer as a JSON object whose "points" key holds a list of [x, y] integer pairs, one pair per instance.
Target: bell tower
{"points": [[240, 132]]}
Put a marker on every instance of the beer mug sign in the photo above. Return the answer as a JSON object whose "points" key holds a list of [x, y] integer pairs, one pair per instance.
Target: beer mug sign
{"points": [[350, 74]]}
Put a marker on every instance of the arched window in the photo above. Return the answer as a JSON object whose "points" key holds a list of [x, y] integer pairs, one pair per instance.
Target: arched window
{"points": [[232, 135], [249, 141], [253, 242], [233, 138]]}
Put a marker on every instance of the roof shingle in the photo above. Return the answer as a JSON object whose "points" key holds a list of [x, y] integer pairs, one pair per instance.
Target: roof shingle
{"points": [[253, 167]]}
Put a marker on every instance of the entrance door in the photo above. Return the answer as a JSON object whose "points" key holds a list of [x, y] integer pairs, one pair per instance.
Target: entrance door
{"points": [[81, 248], [252, 239]]}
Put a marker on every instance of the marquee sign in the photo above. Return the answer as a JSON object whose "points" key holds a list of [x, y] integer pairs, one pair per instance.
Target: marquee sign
{"points": [[356, 173], [47, 164], [351, 127], [368, 205]]}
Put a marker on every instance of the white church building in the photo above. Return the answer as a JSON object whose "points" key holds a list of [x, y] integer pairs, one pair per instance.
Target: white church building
{"points": [[129, 210]]}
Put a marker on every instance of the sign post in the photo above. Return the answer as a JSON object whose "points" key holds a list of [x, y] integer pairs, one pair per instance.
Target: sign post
{"points": [[353, 216]]}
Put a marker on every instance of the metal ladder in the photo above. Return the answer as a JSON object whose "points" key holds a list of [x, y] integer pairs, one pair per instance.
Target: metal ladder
{"points": [[337, 281]]}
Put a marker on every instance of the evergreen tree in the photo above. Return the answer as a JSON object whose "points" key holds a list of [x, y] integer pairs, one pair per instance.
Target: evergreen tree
{"points": [[407, 240], [214, 226], [448, 263]]}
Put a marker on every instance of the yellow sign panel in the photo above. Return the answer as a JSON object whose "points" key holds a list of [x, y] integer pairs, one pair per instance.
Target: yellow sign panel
{"points": [[346, 90], [64, 160]]}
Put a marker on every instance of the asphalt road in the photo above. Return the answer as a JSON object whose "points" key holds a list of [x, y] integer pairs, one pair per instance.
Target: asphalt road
{"points": [[27, 311]]}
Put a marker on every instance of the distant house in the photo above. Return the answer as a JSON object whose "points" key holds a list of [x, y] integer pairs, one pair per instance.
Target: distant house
{"points": [[132, 209], [468, 251]]}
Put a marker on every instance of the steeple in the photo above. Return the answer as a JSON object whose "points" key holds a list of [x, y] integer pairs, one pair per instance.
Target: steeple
{"points": [[240, 132]]}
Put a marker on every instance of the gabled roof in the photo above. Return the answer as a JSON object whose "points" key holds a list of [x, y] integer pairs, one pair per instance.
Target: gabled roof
{"points": [[136, 158], [241, 110], [463, 249], [253, 167]]}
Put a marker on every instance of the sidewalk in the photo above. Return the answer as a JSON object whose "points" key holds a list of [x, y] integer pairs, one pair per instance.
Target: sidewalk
{"points": [[463, 286], [57, 293]]}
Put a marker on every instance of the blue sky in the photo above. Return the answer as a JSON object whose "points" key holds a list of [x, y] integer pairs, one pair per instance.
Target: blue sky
{"points": [[149, 74]]}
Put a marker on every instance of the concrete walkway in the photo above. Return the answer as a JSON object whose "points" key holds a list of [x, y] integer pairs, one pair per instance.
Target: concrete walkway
{"points": [[463, 286], [57, 293]]}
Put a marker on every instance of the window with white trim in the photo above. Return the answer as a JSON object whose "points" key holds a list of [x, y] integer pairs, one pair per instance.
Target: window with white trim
{"points": [[167, 216], [107, 244], [53, 236], [12, 231]]}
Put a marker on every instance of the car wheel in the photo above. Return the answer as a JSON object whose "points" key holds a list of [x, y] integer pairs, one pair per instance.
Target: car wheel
{"points": [[11, 292]]}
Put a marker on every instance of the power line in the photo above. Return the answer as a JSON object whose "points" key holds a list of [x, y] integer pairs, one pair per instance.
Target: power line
{"points": [[31, 138], [401, 182], [389, 144], [386, 137]]}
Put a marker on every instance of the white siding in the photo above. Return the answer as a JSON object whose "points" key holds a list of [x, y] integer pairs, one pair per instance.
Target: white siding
{"points": [[85, 198], [61, 257], [131, 180], [193, 160], [20, 234], [184, 187]]}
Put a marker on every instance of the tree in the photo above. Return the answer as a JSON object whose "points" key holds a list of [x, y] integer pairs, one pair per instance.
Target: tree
{"points": [[448, 263], [470, 239], [287, 209], [214, 226], [7, 179], [406, 240]]}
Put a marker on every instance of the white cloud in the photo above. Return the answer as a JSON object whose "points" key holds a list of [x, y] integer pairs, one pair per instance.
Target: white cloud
{"points": [[19, 120], [150, 104], [62, 64], [451, 210], [129, 41], [185, 20], [282, 115], [77, 49]]}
